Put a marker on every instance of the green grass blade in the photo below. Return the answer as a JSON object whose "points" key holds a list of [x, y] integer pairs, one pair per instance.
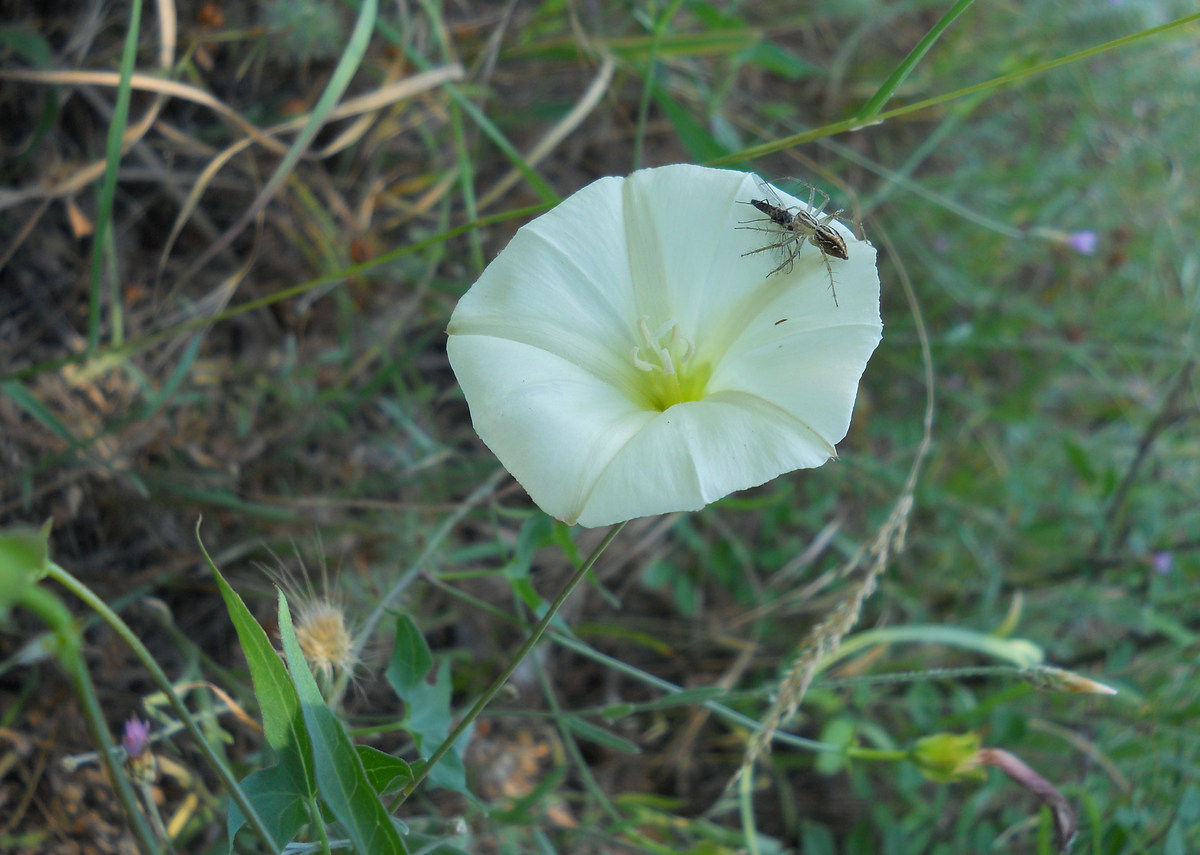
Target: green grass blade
{"points": [[35, 408], [875, 102], [856, 123], [343, 73], [108, 189]]}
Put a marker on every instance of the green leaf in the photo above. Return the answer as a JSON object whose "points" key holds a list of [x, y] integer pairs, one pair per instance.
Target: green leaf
{"points": [[535, 533], [600, 736], [385, 772], [428, 719], [276, 798], [841, 732], [292, 779], [24, 559], [411, 659], [341, 777], [277, 698]]}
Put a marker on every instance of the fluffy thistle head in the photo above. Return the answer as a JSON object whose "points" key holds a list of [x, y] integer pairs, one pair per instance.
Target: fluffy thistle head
{"points": [[324, 638], [324, 630]]}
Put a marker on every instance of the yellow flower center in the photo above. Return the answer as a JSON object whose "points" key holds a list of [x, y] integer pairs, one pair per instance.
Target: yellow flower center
{"points": [[670, 373]]}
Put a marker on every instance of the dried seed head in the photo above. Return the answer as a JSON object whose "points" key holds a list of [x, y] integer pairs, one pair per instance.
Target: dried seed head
{"points": [[324, 638]]}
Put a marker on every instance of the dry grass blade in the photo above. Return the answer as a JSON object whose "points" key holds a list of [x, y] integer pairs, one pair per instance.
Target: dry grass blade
{"points": [[167, 33], [140, 82], [361, 105], [559, 132]]}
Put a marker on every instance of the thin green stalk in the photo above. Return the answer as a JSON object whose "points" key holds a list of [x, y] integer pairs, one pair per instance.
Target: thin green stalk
{"points": [[875, 102], [406, 578], [68, 652], [108, 190], [660, 27], [466, 168], [723, 712], [343, 73], [878, 755], [746, 810], [534, 637], [160, 679], [350, 273], [855, 123], [571, 744], [318, 821]]}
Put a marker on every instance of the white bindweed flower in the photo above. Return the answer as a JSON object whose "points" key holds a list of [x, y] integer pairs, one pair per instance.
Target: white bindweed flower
{"points": [[623, 356]]}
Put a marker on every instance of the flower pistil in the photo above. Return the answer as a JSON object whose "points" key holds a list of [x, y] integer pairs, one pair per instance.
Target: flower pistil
{"points": [[665, 357]]}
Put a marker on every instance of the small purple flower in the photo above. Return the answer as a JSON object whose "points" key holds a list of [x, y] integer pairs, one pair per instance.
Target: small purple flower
{"points": [[137, 737], [1083, 242], [1161, 561]]}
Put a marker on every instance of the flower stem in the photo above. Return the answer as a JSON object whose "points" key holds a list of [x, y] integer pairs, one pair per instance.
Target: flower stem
{"points": [[122, 629], [68, 650], [538, 631]]}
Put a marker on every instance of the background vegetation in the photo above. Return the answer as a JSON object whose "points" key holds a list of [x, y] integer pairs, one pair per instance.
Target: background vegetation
{"points": [[245, 323]]}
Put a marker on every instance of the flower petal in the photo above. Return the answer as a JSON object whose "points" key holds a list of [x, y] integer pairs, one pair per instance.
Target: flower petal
{"points": [[553, 425], [562, 284], [697, 452], [804, 354], [554, 344]]}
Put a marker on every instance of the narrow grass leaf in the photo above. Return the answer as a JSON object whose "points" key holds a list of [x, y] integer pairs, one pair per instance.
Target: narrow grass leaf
{"points": [[112, 158], [1017, 651], [637, 49], [701, 145], [684, 698], [905, 68], [536, 182], [771, 57], [158, 400], [341, 778], [600, 736], [995, 83], [31, 405], [343, 73]]}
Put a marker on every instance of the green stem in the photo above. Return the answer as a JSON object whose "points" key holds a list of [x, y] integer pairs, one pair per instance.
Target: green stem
{"points": [[534, 637], [660, 27], [160, 679], [68, 652], [128, 348], [101, 243], [878, 755], [854, 123], [889, 87], [406, 578]]}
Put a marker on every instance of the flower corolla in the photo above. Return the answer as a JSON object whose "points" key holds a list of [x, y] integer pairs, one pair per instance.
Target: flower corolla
{"points": [[633, 352]]}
